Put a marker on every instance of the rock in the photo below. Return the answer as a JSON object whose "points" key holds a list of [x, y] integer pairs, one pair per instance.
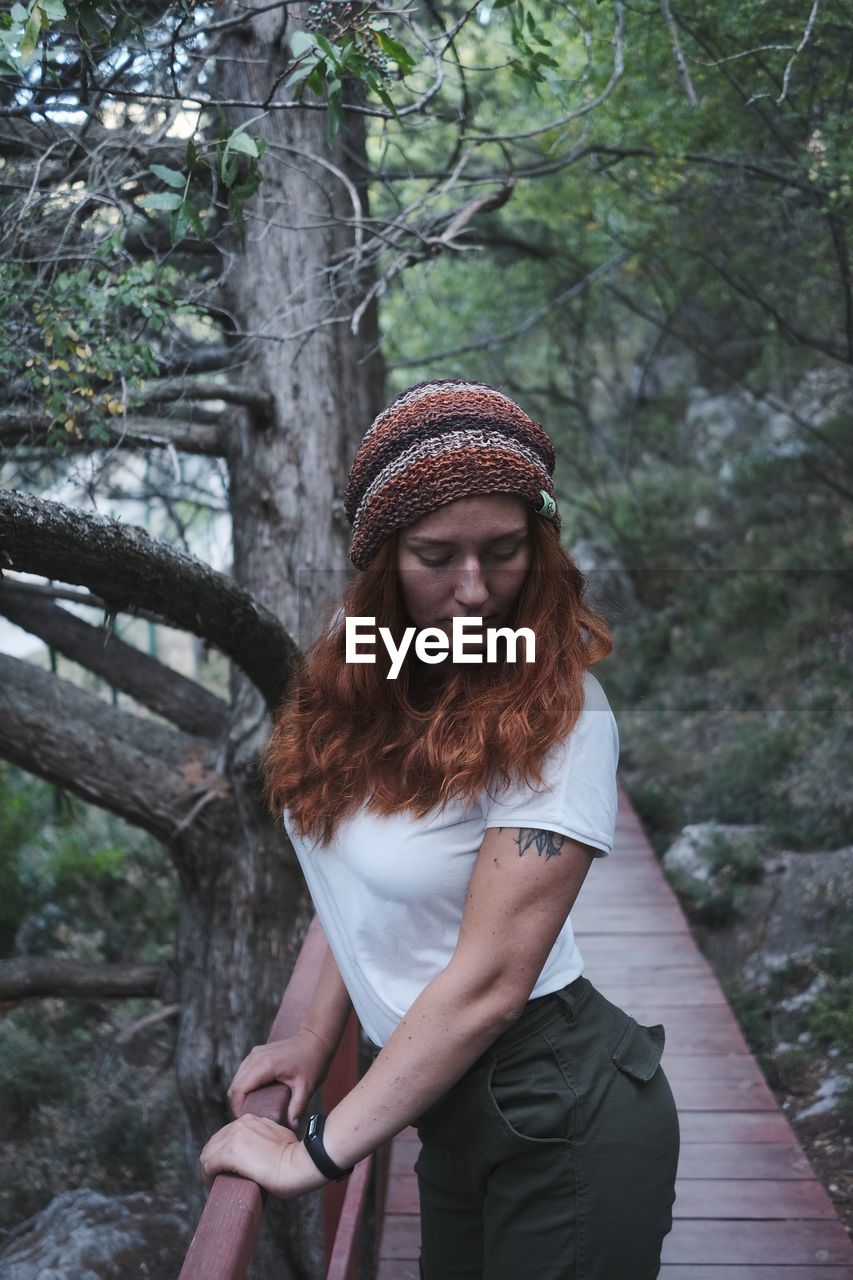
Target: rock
{"points": [[84, 1235], [782, 918], [826, 1097], [688, 860], [807, 997]]}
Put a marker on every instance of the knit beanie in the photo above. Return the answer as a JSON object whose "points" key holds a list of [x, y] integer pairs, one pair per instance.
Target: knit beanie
{"points": [[437, 442]]}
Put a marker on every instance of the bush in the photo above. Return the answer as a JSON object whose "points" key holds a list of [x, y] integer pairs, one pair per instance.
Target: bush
{"points": [[76, 1113]]}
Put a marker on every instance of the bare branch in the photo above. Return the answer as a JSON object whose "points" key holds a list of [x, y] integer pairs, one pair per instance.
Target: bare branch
{"points": [[678, 54], [129, 570], [136, 430], [786, 78], [156, 686], [434, 245], [618, 43], [498, 339], [24, 979]]}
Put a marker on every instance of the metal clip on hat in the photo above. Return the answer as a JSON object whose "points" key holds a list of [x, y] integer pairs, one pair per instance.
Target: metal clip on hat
{"points": [[548, 509]]}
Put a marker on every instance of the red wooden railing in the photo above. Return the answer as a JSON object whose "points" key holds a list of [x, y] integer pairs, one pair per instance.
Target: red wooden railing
{"points": [[228, 1227]]}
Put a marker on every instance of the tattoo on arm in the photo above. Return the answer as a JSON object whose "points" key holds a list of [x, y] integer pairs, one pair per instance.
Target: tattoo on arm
{"points": [[548, 842]]}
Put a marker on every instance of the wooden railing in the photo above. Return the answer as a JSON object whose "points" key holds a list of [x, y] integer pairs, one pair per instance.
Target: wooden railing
{"points": [[228, 1227]]}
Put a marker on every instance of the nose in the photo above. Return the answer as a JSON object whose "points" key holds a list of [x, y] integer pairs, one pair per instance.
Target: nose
{"points": [[471, 591]]}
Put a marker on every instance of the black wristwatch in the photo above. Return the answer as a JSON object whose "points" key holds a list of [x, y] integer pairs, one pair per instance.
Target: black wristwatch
{"points": [[313, 1141]]}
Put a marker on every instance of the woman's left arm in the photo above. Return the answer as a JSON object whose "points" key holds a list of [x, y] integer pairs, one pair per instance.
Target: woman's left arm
{"points": [[522, 888]]}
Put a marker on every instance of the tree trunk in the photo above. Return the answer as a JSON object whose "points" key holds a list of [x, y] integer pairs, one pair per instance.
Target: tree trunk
{"points": [[243, 918]]}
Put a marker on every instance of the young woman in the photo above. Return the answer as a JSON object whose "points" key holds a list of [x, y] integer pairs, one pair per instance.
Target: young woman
{"points": [[445, 820]]}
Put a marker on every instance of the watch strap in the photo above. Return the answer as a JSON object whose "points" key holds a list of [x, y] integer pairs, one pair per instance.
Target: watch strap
{"points": [[313, 1142]]}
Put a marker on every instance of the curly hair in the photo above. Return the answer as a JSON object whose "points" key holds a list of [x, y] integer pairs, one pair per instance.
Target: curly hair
{"points": [[346, 736]]}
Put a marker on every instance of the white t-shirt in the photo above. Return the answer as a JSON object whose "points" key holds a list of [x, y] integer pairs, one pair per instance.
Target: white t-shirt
{"points": [[390, 890]]}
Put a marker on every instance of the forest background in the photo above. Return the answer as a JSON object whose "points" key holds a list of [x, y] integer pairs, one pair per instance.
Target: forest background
{"points": [[229, 235]]}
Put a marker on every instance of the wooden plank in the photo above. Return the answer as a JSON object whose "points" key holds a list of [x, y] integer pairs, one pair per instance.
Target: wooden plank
{"points": [[621, 967], [768, 1243], [691, 989], [396, 1269], [742, 1160], [403, 1194], [720, 1095], [734, 1126], [628, 919], [738, 1067], [687, 1271], [401, 1234], [404, 1153], [756, 1198], [637, 946]]}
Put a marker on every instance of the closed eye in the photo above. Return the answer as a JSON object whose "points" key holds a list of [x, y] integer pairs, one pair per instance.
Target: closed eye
{"points": [[494, 555]]}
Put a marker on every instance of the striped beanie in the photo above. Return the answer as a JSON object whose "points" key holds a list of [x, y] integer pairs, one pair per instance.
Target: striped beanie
{"points": [[437, 442]]}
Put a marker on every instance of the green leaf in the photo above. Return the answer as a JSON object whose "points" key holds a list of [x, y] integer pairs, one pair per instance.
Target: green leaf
{"points": [[32, 31], [172, 177], [194, 216], [242, 143], [161, 200], [178, 225], [387, 100], [238, 141], [317, 79], [250, 186], [302, 72], [397, 51], [334, 117], [190, 155], [301, 42], [328, 48]]}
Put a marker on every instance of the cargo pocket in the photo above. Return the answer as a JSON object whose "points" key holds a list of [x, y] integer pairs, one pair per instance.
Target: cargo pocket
{"points": [[639, 1051]]}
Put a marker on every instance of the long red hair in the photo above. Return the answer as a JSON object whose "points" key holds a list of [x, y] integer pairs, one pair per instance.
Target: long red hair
{"points": [[345, 735]]}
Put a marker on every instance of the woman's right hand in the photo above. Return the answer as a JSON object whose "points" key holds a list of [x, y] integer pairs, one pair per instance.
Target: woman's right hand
{"points": [[300, 1062]]}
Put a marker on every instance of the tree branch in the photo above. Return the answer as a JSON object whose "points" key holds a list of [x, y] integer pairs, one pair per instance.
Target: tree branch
{"points": [[189, 437], [129, 571], [164, 691], [168, 391], [53, 976], [145, 772]]}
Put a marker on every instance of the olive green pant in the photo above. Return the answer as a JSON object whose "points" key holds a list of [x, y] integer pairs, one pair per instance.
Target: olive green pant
{"points": [[554, 1157]]}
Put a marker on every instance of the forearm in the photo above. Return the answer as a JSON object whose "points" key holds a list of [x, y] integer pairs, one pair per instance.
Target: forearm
{"points": [[450, 1024], [330, 1007]]}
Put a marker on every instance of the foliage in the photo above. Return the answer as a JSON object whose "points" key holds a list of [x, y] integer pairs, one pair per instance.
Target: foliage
{"points": [[76, 1106], [77, 881], [90, 336], [75, 1110], [830, 1017]]}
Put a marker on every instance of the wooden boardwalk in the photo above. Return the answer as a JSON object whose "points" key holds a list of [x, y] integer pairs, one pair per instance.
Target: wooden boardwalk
{"points": [[748, 1205]]}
